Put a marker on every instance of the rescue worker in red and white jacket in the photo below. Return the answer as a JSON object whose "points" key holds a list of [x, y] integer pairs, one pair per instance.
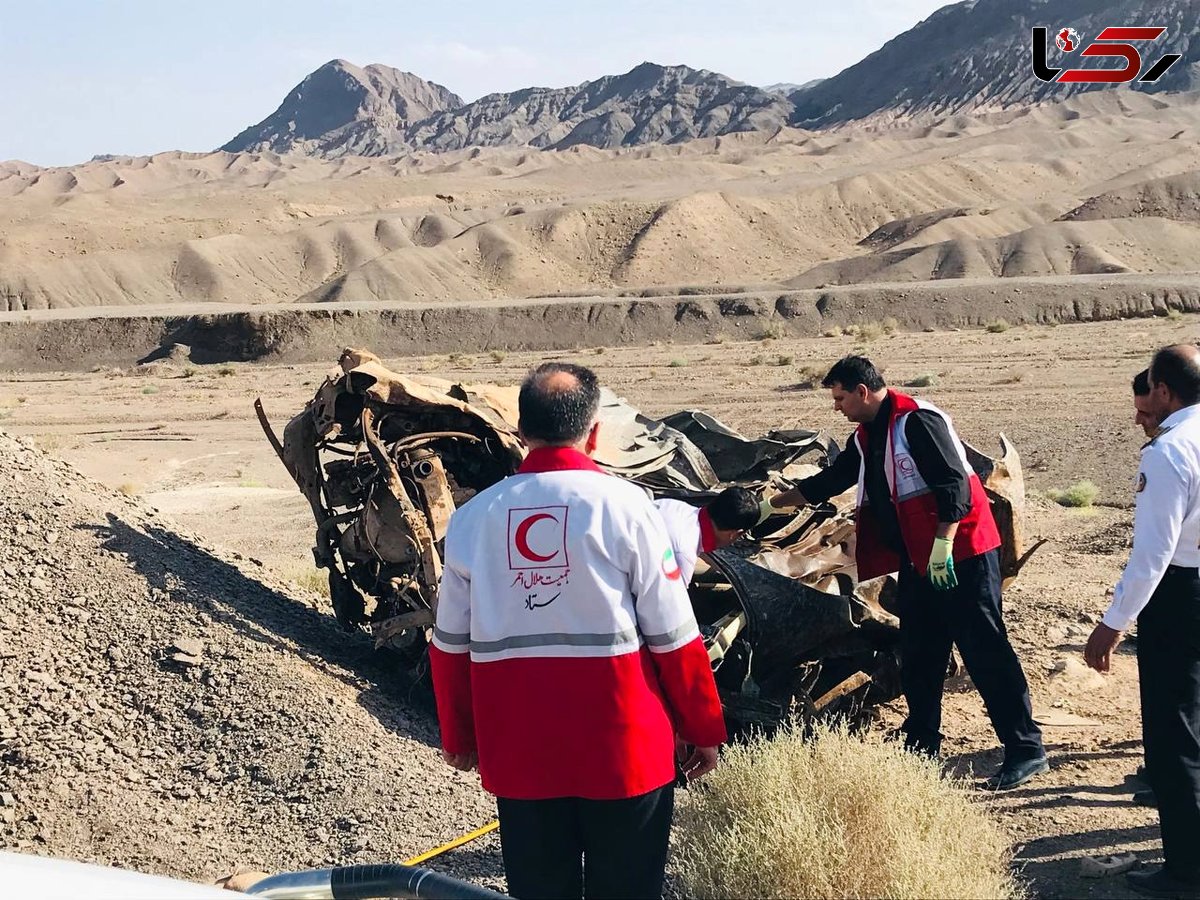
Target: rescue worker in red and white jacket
{"points": [[566, 659], [701, 529], [922, 512]]}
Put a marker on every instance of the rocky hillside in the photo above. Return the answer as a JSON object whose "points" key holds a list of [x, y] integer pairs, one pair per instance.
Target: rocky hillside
{"points": [[977, 54], [341, 109], [166, 708]]}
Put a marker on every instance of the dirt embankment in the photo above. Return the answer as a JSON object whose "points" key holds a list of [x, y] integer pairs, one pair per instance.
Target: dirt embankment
{"points": [[295, 334]]}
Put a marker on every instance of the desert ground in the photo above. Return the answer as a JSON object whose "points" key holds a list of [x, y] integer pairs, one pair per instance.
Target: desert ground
{"points": [[176, 449]]}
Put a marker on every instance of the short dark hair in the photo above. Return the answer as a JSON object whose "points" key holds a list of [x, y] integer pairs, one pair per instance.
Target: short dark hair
{"points": [[1178, 367], [734, 509], [1141, 383], [851, 371], [554, 413]]}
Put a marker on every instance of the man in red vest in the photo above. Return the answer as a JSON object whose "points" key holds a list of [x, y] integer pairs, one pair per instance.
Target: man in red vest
{"points": [[922, 512]]}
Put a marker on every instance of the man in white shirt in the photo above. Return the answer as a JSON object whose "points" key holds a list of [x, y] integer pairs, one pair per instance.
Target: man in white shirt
{"points": [[566, 659], [1160, 590], [701, 529]]}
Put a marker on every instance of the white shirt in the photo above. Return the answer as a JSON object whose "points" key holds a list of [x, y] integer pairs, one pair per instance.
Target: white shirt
{"points": [[1166, 521], [683, 528]]}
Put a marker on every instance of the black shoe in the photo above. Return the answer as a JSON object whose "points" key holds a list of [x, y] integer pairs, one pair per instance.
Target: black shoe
{"points": [[1161, 883], [1013, 775], [1145, 798]]}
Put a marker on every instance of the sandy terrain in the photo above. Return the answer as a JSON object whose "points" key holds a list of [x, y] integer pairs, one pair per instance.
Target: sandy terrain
{"points": [[187, 442], [968, 196]]}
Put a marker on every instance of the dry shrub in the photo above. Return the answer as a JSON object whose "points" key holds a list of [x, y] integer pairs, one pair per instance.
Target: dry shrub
{"points": [[773, 332], [314, 581], [998, 327], [1080, 495], [871, 331], [837, 815]]}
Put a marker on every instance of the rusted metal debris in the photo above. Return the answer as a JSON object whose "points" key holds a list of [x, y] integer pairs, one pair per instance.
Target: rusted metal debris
{"points": [[384, 459]]}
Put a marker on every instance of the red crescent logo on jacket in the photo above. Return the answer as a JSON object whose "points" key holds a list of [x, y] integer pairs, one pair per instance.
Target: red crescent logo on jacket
{"points": [[537, 538]]}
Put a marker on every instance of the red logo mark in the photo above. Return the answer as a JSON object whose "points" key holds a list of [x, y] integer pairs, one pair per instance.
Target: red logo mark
{"points": [[537, 538], [1111, 42]]}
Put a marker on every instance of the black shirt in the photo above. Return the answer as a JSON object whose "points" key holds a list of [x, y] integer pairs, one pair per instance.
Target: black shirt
{"points": [[934, 453]]}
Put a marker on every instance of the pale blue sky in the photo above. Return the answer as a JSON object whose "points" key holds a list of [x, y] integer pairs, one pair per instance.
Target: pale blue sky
{"points": [[81, 77]]}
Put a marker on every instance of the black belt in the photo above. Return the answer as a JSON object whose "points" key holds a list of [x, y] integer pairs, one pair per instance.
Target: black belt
{"points": [[1192, 572]]}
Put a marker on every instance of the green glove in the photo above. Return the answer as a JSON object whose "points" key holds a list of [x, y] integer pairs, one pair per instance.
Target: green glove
{"points": [[941, 565], [765, 511]]}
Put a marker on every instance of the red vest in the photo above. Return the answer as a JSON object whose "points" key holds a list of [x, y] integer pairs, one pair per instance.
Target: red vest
{"points": [[916, 507]]}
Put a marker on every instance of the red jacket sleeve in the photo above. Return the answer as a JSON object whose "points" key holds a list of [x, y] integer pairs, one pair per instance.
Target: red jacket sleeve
{"points": [[687, 680], [452, 690]]}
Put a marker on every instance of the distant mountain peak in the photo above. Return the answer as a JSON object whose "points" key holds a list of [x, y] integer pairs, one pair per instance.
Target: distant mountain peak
{"points": [[343, 109], [341, 105]]}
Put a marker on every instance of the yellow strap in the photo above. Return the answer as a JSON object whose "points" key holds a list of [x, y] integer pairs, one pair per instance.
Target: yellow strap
{"points": [[457, 842]]}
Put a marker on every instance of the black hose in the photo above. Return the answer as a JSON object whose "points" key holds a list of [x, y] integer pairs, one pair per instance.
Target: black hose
{"points": [[394, 880]]}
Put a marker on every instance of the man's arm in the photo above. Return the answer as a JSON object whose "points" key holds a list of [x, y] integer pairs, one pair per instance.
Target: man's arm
{"points": [[450, 663], [834, 479], [1157, 523], [668, 626]]}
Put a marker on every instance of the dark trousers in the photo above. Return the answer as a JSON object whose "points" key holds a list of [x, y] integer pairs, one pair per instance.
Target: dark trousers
{"points": [[571, 847], [1168, 651], [931, 622]]}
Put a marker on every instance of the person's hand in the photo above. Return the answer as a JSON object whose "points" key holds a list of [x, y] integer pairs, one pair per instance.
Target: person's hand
{"points": [[941, 565], [1100, 646], [702, 761], [765, 511], [464, 762]]}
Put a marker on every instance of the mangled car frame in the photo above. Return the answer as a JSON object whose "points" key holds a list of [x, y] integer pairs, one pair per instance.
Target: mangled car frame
{"points": [[384, 459]]}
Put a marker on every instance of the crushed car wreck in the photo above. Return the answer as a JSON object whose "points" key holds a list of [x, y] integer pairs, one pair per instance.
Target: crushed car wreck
{"points": [[384, 459]]}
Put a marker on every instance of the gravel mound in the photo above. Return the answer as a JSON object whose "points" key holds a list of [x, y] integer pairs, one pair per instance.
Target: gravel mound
{"points": [[170, 709]]}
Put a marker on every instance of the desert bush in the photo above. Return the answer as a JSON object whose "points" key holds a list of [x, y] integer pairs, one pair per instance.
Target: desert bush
{"points": [[755, 360], [128, 488], [1012, 378], [831, 333], [226, 371], [871, 331], [998, 327], [784, 360], [772, 332], [926, 380], [810, 377], [837, 815], [150, 389], [315, 581], [1173, 313], [498, 356], [677, 364], [890, 325], [1080, 495]]}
